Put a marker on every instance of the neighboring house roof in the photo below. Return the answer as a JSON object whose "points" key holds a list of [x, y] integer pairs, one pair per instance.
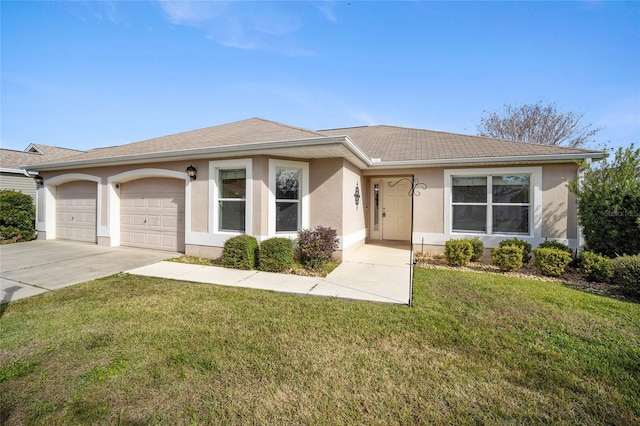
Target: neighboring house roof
{"points": [[373, 146], [11, 160]]}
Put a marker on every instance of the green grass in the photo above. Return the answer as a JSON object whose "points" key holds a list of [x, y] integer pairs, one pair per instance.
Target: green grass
{"points": [[475, 348]]}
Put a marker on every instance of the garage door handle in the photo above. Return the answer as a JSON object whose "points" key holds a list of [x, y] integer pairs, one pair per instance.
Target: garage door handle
{"points": [[145, 221]]}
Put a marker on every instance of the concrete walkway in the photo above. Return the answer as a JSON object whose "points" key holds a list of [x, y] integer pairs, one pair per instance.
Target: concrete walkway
{"points": [[379, 273]]}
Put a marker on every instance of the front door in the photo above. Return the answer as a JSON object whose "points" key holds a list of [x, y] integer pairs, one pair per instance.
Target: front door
{"points": [[391, 212]]}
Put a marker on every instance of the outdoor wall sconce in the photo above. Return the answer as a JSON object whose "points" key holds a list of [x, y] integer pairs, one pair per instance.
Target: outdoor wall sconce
{"points": [[356, 195], [39, 179], [191, 171]]}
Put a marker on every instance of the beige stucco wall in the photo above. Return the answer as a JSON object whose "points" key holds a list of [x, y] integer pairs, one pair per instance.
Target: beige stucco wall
{"points": [[260, 220], [325, 193], [353, 216], [428, 207], [559, 210]]}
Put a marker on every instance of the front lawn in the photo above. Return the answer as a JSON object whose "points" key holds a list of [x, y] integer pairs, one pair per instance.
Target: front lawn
{"points": [[475, 348]]}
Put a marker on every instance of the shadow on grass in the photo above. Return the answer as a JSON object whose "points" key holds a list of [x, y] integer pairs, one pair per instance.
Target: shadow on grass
{"points": [[7, 298]]}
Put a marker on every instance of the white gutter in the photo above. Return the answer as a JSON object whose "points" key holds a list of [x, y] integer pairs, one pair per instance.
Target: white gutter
{"points": [[479, 160], [21, 171]]}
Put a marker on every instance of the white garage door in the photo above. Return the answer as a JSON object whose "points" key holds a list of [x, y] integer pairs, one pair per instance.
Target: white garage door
{"points": [[76, 211], [152, 214]]}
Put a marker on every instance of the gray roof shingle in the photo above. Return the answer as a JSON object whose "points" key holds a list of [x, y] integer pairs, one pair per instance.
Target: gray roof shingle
{"points": [[390, 143]]}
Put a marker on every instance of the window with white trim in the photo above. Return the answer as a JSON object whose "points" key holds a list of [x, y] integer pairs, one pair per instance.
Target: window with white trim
{"points": [[230, 195], [491, 204], [288, 197], [232, 192]]}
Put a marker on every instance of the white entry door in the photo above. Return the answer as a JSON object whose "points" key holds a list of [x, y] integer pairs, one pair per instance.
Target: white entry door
{"points": [[390, 209]]}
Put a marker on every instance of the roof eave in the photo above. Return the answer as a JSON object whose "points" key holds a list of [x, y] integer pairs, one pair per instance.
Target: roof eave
{"points": [[228, 150]]}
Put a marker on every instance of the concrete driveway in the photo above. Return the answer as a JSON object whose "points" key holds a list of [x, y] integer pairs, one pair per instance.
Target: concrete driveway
{"points": [[35, 267]]}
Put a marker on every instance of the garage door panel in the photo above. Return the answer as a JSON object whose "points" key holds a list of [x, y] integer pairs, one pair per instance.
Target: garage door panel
{"points": [[76, 211], [152, 214]]}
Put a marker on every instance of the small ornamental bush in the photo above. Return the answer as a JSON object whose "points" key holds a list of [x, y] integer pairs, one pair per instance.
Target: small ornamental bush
{"points": [[478, 248], [507, 258], [526, 248], [458, 252], [240, 252], [315, 247], [275, 255], [17, 216], [626, 273], [556, 245], [552, 262], [595, 267]]}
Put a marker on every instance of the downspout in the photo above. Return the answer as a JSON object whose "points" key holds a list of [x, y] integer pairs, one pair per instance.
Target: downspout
{"points": [[580, 237]]}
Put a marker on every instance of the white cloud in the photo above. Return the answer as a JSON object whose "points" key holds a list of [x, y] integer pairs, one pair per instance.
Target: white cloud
{"points": [[266, 26], [326, 8]]}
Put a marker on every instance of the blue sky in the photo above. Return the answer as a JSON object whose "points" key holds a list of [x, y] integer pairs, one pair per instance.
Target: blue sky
{"points": [[86, 74]]}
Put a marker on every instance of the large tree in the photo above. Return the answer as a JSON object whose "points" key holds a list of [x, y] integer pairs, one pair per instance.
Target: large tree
{"points": [[538, 123]]}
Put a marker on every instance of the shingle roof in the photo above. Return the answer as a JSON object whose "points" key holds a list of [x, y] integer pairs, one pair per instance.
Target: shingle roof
{"points": [[12, 159], [390, 143], [253, 130]]}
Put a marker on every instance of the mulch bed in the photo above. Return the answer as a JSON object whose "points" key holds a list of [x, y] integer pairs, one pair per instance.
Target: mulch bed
{"points": [[571, 278]]}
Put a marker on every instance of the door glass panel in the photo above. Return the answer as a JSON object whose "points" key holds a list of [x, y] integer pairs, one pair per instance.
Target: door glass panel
{"points": [[376, 207]]}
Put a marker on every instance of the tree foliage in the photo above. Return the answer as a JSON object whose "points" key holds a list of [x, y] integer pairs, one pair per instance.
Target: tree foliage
{"points": [[609, 204], [17, 216], [537, 123]]}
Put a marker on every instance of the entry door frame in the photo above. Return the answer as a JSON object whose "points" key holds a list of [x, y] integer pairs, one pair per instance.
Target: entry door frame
{"points": [[379, 187]]}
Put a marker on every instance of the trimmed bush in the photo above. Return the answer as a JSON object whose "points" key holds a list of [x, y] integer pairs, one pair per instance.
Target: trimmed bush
{"points": [[556, 245], [552, 262], [240, 252], [626, 273], [315, 247], [507, 258], [595, 267], [17, 216], [526, 248], [275, 255], [458, 252], [478, 248]]}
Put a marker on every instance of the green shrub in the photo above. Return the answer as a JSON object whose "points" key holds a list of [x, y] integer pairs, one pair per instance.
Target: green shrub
{"points": [[552, 262], [608, 196], [275, 255], [525, 246], [458, 252], [626, 273], [556, 245], [240, 252], [315, 247], [17, 216], [595, 267], [477, 247], [507, 258]]}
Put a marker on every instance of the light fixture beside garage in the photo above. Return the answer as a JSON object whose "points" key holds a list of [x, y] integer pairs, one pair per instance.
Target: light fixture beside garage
{"points": [[191, 171], [39, 179]]}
